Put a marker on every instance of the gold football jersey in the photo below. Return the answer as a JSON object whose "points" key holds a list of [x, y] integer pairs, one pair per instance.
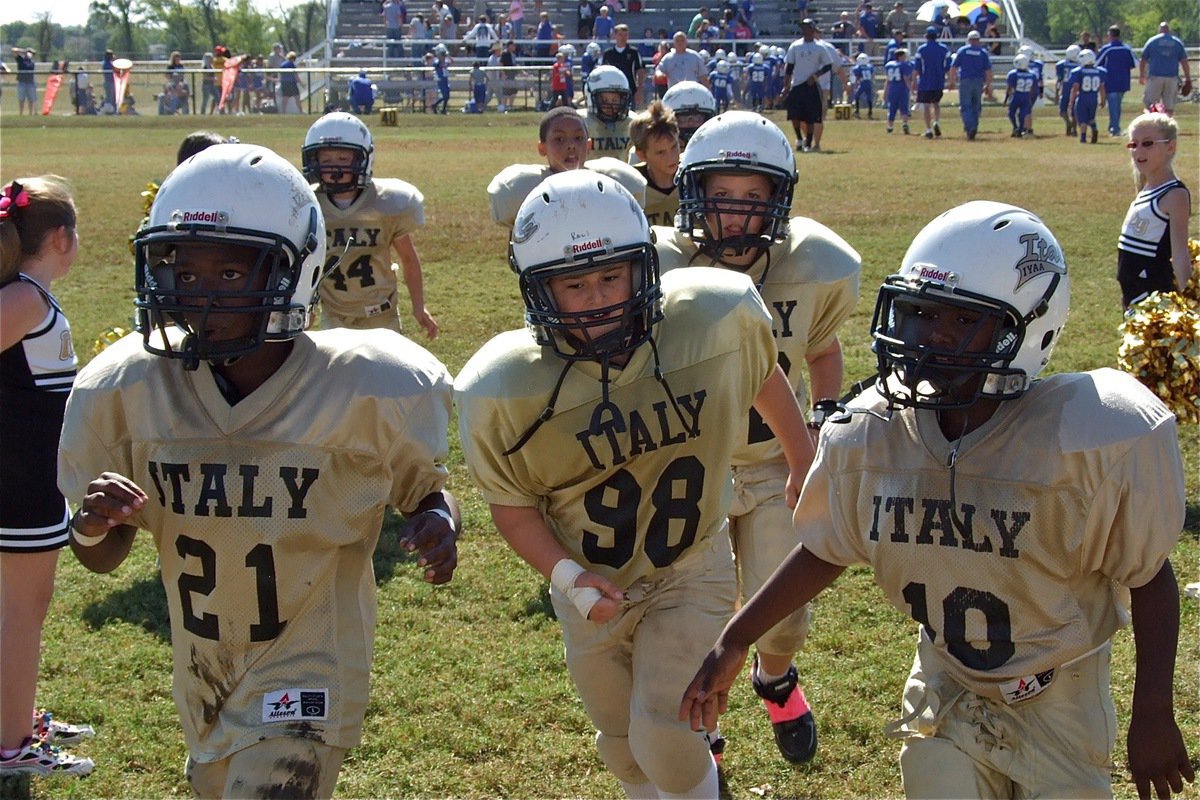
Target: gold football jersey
{"points": [[1065, 493], [364, 280], [809, 282], [513, 184], [609, 139], [265, 515], [660, 206], [629, 488]]}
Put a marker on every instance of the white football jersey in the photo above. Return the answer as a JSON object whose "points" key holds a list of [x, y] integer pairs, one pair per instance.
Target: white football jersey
{"points": [[512, 185], [1061, 497], [265, 515], [630, 494], [609, 139], [661, 206], [809, 282], [386, 208]]}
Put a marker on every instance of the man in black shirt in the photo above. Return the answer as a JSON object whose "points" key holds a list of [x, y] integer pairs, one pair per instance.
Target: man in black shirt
{"points": [[628, 60]]}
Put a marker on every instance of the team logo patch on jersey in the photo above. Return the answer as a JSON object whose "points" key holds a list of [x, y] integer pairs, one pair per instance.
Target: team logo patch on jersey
{"points": [[1015, 691], [1040, 257], [289, 705]]}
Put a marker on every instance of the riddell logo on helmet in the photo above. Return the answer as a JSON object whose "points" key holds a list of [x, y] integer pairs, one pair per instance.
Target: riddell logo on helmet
{"points": [[740, 154], [587, 247], [213, 217], [935, 274]]}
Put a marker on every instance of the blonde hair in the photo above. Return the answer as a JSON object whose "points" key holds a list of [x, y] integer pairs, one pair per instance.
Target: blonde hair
{"points": [[1168, 129], [657, 120], [25, 228]]}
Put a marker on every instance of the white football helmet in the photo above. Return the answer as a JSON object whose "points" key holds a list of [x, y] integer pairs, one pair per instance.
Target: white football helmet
{"points": [[736, 141], [862, 59], [764, 51], [756, 59], [234, 195], [723, 67], [440, 49], [1021, 61], [1072, 53], [704, 54], [995, 260], [603, 79], [576, 222], [693, 105], [1025, 50], [342, 131], [719, 54], [568, 49], [1087, 58], [593, 50]]}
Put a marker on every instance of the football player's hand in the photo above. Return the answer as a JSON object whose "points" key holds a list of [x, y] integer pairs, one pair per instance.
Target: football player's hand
{"points": [[436, 542], [608, 606], [1158, 758], [110, 501], [427, 323], [707, 696]]}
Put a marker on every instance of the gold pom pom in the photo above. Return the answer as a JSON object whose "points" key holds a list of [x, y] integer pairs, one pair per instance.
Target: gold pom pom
{"points": [[1161, 348], [108, 337]]}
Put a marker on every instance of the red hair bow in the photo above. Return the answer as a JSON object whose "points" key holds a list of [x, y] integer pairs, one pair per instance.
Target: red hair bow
{"points": [[13, 195]]}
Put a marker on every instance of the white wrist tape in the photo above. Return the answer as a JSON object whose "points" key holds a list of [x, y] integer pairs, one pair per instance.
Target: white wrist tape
{"points": [[444, 514], [88, 541], [563, 576]]}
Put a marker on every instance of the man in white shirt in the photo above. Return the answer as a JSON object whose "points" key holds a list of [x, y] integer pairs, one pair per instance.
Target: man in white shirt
{"points": [[806, 61]]}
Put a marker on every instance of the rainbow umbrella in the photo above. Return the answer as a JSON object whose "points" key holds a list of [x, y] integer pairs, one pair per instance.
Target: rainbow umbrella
{"points": [[974, 9]]}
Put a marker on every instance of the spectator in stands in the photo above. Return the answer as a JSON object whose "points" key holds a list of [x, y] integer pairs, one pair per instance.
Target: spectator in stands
{"points": [[361, 93], [1117, 58], [545, 35], [897, 19], [394, 13], [272, 78], [683, 63], [289, 83], [26, 80], [659, 78], [483, 36], [587, 19], [110, 87], [868, 28], [992, 33], [516, 15], [841, 32], [418, 31], [628, 60], [694, 25], [972, 67], [603, 29], [1162, 57]]}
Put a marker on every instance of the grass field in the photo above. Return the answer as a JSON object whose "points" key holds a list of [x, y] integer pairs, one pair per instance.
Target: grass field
{"points": [[470, 697]]}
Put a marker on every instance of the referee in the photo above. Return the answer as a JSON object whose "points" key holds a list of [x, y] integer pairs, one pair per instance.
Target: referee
{"points": [[805, 62]]}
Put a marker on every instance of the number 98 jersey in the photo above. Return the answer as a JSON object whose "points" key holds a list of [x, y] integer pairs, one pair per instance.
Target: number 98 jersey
{"points": [[364, 281], [265, 515], [630, 497], [1064, 493]]}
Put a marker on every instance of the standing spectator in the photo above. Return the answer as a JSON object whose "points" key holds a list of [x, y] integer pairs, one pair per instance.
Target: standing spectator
{"points": [[83, 91], [659, 78], [394, 15], [694, 26], [931, 64], [544, 35], [586, 20], [971, 70], [276, 598], [479, 89], [516, 15], [272, 81], [682, 63], [38, 243], [1152, 251], [418, 32], [447, 27], [602, 30], [493, 75], [508, 59], [868, 28], [361, 93], [220, 56], [110, 87], [746, 13], [842, 31], [1116, 57], [628, 60], [805, 62], [1162, 57], [289, 83], [895, 43], [210, 89], [992, 33], [26, 80], [483, 36], [897, 19]]}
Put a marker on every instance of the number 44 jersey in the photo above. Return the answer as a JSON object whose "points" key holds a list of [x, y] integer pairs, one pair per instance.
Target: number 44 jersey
{"points": [[265, 514], [1063, 494], [630, 487]]}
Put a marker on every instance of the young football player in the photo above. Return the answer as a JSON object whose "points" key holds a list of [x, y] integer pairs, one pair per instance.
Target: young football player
{"points": [[1062, 86], [1152, 251], [366, 218], [563, 142], [720, 81], [441, 74], [655, 136], [1038, 68], [864, 85], [609, 99], [693, 105], [1002, 513], [262, 459], [899, 76], [756, 81], [1086, 82], [736, 180], [1020, 86], [601, 444], [38, 243]]}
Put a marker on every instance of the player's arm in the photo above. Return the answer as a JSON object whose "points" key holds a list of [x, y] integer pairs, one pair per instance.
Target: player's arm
{"points": [[101, 537], [825, 371], [432, 531], [1177, 204], [526, 531], [1158, 757], [799, 579], [414, 282], [776, 402]]}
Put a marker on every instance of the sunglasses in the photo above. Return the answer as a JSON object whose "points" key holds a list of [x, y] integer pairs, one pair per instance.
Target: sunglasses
{"points": [[1144, 143]]}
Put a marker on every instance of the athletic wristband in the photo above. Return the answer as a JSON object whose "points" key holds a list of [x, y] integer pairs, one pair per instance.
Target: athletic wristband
{"points": [[444, 514], [85, 541], [563, 577]]}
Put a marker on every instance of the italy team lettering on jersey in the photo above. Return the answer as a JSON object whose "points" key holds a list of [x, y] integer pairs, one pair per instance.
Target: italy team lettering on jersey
{"points": [[598, 488], [351, 422], [360, 235], [609, 139]]}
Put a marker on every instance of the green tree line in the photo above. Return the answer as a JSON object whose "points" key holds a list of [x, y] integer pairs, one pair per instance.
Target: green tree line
{"points": [[1057, 23], [131, 28]]}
